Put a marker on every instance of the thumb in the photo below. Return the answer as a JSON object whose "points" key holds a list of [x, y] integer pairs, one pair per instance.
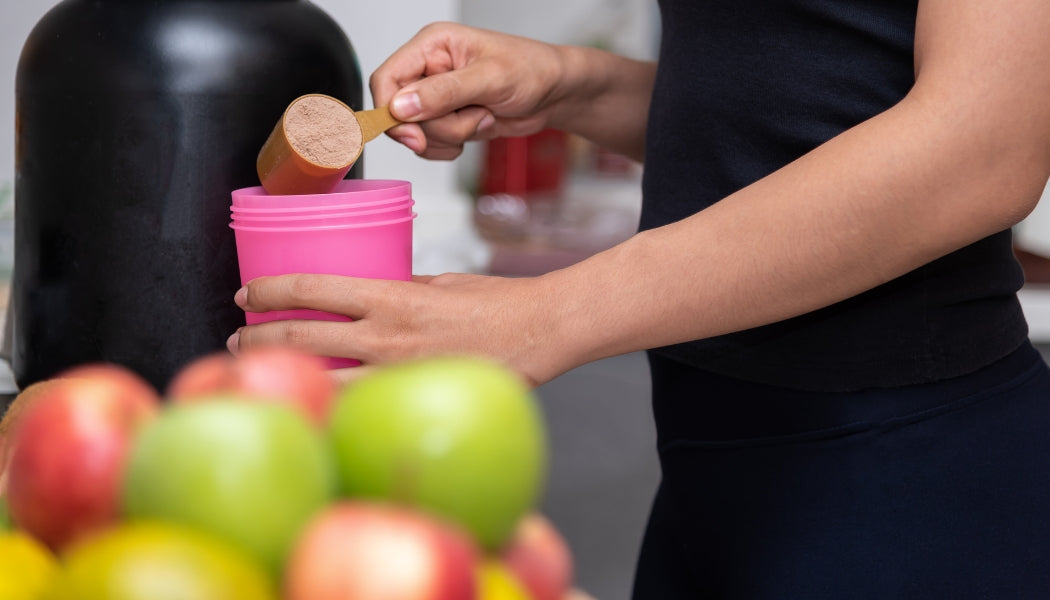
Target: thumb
{"points": [[437, 95]]}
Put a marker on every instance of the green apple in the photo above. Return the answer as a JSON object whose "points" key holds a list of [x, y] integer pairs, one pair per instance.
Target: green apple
{"points": [[460, 437], [251, 473]]}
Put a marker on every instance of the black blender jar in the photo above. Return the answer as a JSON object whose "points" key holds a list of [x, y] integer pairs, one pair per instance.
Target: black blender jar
{"points": [[135, 119]]}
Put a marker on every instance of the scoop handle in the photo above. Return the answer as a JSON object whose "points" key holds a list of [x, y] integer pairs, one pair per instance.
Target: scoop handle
{"points": [[374, 122]]}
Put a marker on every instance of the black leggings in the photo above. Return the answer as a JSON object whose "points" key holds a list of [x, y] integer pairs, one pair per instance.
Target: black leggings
{"points": [[935, 491]]}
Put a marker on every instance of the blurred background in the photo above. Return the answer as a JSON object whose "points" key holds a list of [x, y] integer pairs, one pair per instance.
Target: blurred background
{"points": [[521, 207]]}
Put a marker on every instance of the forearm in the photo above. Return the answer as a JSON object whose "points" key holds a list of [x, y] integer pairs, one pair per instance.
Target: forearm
{"points": [[849, 216], [604, 98]]}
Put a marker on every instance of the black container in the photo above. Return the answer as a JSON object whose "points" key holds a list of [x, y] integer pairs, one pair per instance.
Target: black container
{"points": [[135, 119]]}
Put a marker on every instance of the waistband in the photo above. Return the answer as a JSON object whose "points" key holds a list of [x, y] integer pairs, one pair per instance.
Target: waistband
{"points": [[694, 405]]}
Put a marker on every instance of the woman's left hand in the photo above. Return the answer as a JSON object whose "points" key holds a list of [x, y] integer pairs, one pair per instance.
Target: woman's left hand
{"points": [[497, 318]]}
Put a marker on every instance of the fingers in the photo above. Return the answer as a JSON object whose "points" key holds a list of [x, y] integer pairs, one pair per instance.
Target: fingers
{"points": [[399, 320], [323, 338], [474, 84], [444, 68], [351, 297], [329, 293], [445, 84], [444, 137], [413, 61]]}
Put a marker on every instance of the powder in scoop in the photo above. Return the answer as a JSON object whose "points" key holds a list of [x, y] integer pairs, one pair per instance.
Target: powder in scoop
{"points": [[323, 131]]}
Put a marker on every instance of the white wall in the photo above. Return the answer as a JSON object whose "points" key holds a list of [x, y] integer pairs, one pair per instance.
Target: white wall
{"points": [[16, 19], [625, 26]]}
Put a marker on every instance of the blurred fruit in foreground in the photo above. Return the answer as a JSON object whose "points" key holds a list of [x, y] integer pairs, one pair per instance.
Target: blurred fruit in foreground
{"points": [[496, 582], [250, 473], [12, 416], [540, 558], [26, 567], [68, 450], [158, 561], [271, 373], [369, 551], [459, 437]]}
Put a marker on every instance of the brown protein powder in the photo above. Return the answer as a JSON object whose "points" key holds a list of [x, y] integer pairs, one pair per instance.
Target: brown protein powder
{"points": [[323, 131], [312, 147]]}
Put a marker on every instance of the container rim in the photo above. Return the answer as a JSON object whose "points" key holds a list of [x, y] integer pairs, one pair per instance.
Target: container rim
{"points": [[235, 226], [369, 189]]}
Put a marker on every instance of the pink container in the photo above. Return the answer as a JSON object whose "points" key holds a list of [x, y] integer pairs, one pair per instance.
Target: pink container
{"points": [[375, 242], [349, 192]]}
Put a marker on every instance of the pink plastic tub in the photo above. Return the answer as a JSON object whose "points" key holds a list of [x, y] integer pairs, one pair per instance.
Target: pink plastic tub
{"points": [[371, 238]]}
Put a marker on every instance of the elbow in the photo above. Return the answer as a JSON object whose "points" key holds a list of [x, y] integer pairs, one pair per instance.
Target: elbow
{"points": [[1022, 185]]}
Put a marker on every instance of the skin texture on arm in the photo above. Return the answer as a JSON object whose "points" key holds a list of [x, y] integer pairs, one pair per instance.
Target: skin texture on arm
{"points": [[964, 155]]}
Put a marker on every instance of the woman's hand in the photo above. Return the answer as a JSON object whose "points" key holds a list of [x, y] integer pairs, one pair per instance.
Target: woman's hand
{"points": [[458, 83], [497, 318], [452, 84]]}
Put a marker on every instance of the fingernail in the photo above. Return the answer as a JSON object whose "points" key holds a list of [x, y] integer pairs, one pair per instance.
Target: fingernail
{"points": [[486, 123], [241, 297], [233, 343], [406, 106]]}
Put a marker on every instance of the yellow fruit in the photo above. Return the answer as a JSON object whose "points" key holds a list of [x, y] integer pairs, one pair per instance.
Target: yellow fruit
{"points": [[495, 582], [154, 561], [26, 567]]}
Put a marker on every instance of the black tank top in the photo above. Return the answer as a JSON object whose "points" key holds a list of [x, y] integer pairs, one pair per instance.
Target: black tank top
{"points": [[746, 86]]}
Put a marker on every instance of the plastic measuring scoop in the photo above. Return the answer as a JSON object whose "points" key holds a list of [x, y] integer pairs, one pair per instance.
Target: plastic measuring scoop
{"points": [[314, 144]]}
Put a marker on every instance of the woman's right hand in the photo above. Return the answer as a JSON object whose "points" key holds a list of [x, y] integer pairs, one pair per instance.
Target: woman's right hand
{"points": [[454, 83]]}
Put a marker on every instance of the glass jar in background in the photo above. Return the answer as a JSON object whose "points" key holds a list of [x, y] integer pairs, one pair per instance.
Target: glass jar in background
{"points": [[551, 199]]}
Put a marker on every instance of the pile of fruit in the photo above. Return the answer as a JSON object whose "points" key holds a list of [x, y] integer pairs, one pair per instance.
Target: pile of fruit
{"points": [[258, 477]]}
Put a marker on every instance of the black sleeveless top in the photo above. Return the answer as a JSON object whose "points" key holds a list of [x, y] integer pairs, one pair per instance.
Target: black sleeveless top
{"points": [[746, 86]]}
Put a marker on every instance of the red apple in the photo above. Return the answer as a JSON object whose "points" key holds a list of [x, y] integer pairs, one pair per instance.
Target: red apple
{"points": [[135, 385], [122, 380], [12, 416], [540, 558], [276, 373], [358, 550], [68, 450], [202, 377]]}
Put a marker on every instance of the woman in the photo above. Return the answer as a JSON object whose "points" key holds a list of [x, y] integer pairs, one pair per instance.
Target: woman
{"points": [[847, 404]]}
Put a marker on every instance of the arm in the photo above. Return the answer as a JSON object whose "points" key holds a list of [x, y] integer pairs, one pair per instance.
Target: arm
{"points": [[963, 156], [456, 84]]}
